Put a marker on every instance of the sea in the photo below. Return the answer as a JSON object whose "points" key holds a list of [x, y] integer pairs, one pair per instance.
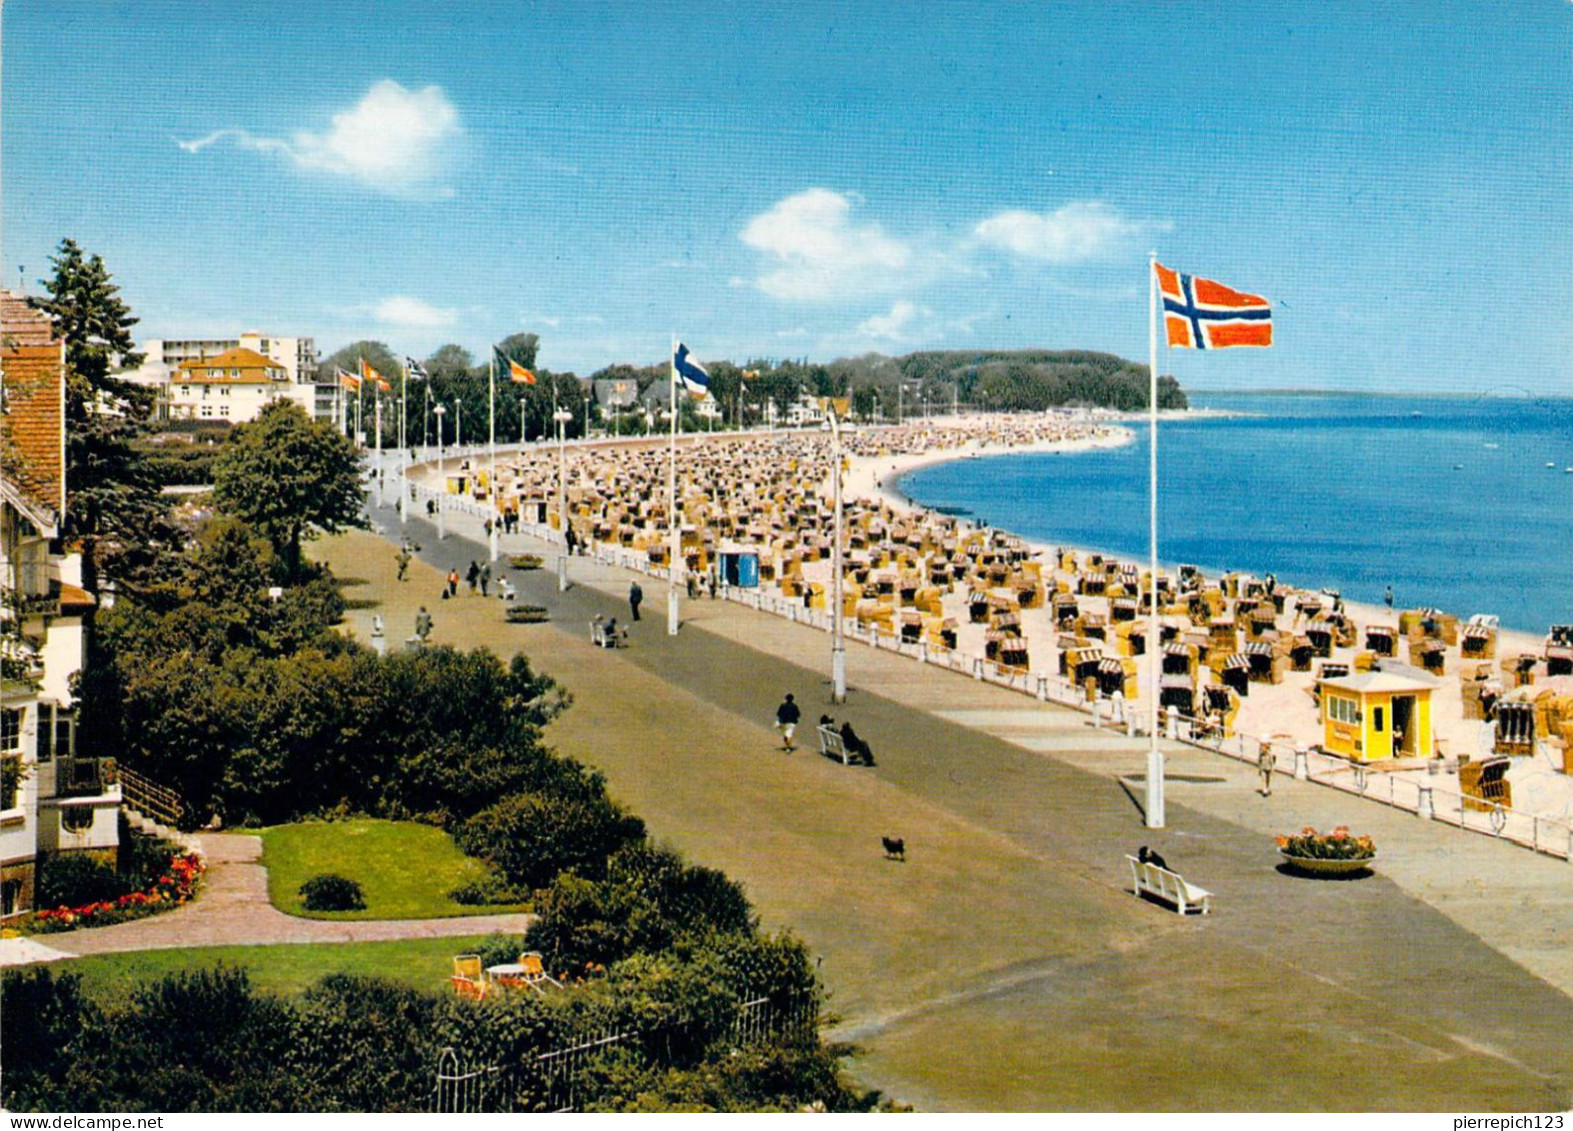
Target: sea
{"points": [[1460, 504]]}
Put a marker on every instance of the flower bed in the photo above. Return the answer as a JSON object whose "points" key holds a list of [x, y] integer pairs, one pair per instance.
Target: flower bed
{"points": [[1339, 844], [176, 886]]}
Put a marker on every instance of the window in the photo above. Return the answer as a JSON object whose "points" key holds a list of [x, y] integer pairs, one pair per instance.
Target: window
{"points": [[223, 410], [10, 730], [1342, 710], [65, 733], [77, 819], [1377, 721], [10, 897], [207, 410]]}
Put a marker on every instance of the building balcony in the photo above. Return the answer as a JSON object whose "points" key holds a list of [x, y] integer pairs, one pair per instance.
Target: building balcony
{"points": [[86, 777]]}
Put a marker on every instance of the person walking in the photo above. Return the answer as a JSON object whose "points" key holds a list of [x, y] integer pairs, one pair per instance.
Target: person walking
{"points": [[404, 562], [1266, 761], [570, 540], [472, 575], [1388, 597], [787, 716], [635, 595], [422, 625], [453, 583], [486, 577]]}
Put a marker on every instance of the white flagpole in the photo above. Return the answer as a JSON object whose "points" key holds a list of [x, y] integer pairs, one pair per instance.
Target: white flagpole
{"points": [[378, 414], [671, 501], [491, 483], [1155, 814], [404, 468]]}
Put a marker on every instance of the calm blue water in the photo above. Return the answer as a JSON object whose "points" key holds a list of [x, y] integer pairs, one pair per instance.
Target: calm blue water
{"points": [[1355, 493]]}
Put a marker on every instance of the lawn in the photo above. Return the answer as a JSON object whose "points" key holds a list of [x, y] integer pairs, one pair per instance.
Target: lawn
{"points": [[422, 963], [405, 870]]}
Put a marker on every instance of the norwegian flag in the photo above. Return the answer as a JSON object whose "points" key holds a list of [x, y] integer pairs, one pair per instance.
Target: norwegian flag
{"points": [[1200, 314]]}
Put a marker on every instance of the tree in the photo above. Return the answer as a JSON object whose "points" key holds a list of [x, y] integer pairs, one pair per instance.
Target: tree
{"points": [[377, 355], [290, 477], [112, 499], [450, 360]]}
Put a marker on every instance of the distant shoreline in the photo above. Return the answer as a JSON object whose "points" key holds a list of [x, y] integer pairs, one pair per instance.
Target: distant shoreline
{"points": [[1376, 394]]}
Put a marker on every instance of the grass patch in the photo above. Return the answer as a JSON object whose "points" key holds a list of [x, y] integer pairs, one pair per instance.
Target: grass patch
{"points": [[283, 970], [405, 869], [361, 602]]}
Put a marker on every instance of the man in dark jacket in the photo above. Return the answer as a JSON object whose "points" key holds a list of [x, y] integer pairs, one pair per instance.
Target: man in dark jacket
{"points": [[635, 595], [787, 716]]}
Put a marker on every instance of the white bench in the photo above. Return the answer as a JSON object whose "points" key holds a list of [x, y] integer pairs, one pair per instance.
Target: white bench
{"points": [[602, 637], [1170, 887], [831, 746]]}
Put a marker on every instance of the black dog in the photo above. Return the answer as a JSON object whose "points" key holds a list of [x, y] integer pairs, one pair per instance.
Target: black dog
{"points": [[895, 848], [1147, 856]]}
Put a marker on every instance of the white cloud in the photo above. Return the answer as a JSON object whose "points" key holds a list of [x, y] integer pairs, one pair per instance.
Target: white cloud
{"points": [[393, 140], [402, 310], [1079, 231], [889, 327], [820, 253]]}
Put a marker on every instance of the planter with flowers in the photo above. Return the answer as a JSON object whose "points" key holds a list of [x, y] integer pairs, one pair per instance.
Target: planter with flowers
{"points": [[1338, 853]]}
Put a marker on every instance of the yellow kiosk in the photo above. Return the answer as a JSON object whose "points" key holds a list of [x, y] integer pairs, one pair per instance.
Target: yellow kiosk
{"points": [[1371, 716]]}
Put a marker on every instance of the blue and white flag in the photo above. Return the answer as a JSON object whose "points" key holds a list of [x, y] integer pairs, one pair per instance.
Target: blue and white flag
{"points": [[415, 368], [695, 380]]}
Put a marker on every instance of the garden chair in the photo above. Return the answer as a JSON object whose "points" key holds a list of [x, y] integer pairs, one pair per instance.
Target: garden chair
{"points": [[467, 978], [534, 973]]}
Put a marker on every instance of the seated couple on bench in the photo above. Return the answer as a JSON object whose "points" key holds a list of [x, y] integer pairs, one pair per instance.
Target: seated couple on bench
{"points": [[604, 633], [843, 743]]}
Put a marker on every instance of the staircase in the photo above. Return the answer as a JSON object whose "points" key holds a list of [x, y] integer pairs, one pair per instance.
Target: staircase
{"points": [[153, 808]]}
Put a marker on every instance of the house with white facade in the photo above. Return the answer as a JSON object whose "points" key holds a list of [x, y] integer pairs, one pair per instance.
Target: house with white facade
{"points": [[232, 386], [164, 357], [50, 800]]}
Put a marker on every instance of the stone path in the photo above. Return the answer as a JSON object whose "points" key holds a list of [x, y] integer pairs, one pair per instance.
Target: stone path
{"points": [[1005, 966], [233, 910]]}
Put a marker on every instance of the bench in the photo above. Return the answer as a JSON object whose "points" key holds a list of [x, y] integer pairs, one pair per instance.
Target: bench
{"points": [[831, 746], [602, 637], [1169, 887]]}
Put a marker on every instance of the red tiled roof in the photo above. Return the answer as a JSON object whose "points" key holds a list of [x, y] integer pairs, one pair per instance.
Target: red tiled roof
{"points": [[254, 368], [33, 359]]}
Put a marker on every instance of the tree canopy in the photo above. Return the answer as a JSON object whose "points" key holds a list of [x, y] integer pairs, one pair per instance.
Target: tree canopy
{"points": [[290, 477], [112, 499]]}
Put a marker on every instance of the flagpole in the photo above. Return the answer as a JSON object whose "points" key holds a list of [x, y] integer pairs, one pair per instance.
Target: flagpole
{"points": [[1155, 814], [378, 411], [404, 470], [491, 483], [671, 498]]}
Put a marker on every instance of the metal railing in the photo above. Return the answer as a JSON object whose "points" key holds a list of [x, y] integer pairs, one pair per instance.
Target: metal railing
{"points": [[155, 802]]}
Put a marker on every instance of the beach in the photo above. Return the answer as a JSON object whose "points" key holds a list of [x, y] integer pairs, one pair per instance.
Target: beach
{"points": [[769, 493]]}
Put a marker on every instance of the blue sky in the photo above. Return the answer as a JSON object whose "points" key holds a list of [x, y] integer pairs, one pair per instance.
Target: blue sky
{"points": [[819, 180]]}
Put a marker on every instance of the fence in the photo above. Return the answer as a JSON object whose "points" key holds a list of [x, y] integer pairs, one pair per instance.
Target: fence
{"points": [[562, 1080], [1550, 835], [153, 801]]}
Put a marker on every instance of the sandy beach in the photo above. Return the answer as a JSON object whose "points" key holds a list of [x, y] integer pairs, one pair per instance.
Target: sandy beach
{"points": [[772, 492]]}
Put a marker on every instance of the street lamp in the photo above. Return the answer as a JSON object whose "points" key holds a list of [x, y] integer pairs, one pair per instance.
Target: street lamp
{"points": [[562, 416], [522, 402], [442, 479], [438, 412]]}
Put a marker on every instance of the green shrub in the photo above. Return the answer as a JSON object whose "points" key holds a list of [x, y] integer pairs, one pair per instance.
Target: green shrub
{"points": [[70, 879], [525, 561], [526, 614], [331, 893], [531, 837], [492, 889]]}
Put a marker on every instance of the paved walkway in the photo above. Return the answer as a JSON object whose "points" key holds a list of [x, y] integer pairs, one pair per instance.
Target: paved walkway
{"points": [[233, 910], [1005, 965]]}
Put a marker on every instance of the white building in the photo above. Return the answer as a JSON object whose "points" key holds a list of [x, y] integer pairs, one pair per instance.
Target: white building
{"points": [[232, 386], [296, 356], [50, 800]]}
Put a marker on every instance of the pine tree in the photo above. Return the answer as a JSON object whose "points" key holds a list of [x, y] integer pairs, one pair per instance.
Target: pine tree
{"points": [[112, 504]]}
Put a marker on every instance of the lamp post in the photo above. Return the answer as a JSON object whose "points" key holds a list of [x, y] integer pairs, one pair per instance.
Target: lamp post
{"points": [[562, 416], [522, 403], [458, 423], [442, 478]]}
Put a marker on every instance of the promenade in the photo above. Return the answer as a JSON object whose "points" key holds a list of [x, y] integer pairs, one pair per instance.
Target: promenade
{"points": [[1005, 966]]}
